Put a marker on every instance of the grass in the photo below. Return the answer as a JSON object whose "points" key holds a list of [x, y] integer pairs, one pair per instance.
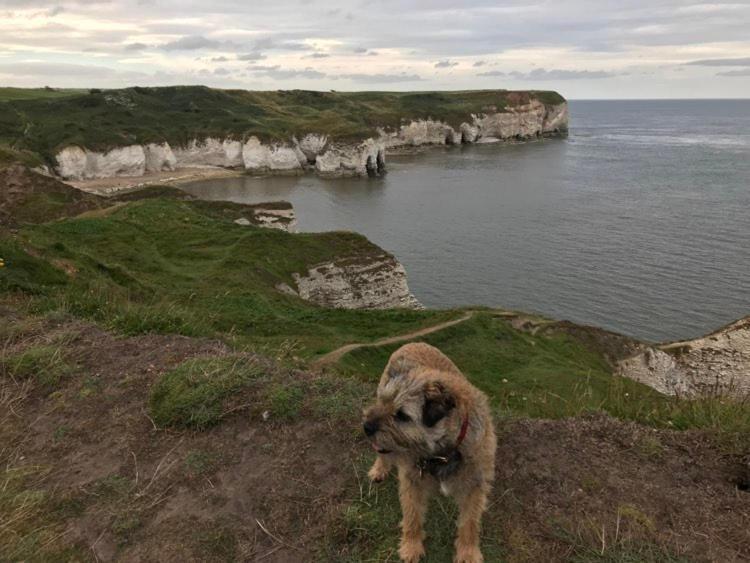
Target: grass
{"points": [[47, 93], [367, 529], [551, 375], [25, 157], [45, 365], [45, 122], [32, 520], [171, 266], [194, 394]]}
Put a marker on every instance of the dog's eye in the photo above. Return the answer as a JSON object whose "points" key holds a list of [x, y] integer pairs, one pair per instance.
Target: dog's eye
{"points": [[402, 416]]}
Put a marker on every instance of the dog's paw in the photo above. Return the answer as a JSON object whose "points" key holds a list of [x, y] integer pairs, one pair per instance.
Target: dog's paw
{"points": [[377, 473], [411, 551], [468, 555]]}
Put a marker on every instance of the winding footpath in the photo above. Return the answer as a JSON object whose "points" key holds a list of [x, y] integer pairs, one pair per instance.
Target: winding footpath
{"points": [[335, 355]]}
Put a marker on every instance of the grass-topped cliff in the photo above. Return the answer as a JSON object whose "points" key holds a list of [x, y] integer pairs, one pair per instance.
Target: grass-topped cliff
{"points": [[44, 122], [159, 400]]}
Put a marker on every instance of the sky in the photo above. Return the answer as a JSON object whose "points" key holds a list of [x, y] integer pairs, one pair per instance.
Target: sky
{"points": [[584, 49]]}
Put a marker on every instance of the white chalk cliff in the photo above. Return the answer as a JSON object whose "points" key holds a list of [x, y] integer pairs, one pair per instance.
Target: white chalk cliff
{"points": [[718, 363], [356, 282], [314, 152]]}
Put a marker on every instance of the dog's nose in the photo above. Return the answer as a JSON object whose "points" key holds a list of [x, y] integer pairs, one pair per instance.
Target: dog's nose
{"points": [[370, 427]]}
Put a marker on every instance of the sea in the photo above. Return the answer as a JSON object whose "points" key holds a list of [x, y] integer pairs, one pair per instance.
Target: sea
{"points": [[637, 222]]}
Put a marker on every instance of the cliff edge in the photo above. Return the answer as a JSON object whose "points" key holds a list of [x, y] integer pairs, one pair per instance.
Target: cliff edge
{"points": [[135, 131]]}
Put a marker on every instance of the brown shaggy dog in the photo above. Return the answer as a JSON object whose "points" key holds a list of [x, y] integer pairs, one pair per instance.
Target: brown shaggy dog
{"points": [[436, 429]]}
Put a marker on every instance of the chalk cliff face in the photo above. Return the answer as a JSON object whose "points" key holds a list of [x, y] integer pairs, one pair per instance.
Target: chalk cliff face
{"points": [[359, 282], [315, 152], [715, 364]]}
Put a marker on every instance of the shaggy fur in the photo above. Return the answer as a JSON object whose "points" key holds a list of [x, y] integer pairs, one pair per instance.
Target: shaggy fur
{"points": [[414, 425]]}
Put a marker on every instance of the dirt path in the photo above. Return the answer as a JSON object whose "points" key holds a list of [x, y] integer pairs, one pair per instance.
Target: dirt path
{"points": [[338, 353]]}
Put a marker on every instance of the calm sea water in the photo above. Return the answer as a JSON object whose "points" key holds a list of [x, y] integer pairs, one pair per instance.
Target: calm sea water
{"points": [[639, 222]]}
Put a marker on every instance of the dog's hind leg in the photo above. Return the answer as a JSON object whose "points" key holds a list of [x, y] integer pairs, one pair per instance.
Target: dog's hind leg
{"points": [[414, 495], [471, 506], [380, 469]]}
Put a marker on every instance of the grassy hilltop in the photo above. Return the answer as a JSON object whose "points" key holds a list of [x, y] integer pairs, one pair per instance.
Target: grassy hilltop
{"points": [[158, 401], [43, 122]]}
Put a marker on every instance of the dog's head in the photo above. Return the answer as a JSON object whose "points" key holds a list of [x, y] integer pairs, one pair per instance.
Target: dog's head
{"points": [[411, 412]]}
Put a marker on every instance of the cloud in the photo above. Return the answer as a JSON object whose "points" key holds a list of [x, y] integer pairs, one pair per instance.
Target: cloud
{"points": [[278, 73], [492, 73], [276, 44], [721, 62], [317, 56], [735, 73], [411, 37], [221, 59], [54, 70], [254, 56], [379, 78], [191, 43], [221, 71], [445, 64], [557, 74]]}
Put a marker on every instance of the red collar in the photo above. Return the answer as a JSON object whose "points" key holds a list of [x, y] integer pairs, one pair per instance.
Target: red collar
{"points": [[462, 434]]}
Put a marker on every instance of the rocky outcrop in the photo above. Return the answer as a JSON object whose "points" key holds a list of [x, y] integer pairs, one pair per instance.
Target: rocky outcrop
{"points": [[259, 158], [715, 364], [75, 163], [523, 122], [226, 153], [271, 215], [364, 159], [159, 157], [360, 282], [316, 152]]}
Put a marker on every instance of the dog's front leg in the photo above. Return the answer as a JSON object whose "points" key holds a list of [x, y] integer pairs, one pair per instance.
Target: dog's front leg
{"points": [[380, 469], [414, 496], [471, 506]]}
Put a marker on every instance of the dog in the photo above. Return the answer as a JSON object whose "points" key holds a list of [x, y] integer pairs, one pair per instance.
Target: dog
{"points": [[436, 428]]}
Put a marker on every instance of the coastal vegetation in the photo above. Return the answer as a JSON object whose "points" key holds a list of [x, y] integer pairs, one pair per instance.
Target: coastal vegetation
{"points": [[44, 122]]}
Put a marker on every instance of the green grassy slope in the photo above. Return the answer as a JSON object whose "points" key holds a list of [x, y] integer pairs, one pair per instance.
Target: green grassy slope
{"points": [[101, 120], [167, 265], [7, 93]]}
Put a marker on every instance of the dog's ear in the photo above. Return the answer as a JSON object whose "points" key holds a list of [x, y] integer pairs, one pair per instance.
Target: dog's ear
{"points": [[400, 367], [438, 402]]}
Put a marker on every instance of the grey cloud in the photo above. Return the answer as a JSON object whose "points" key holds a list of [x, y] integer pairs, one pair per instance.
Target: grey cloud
{"points": [[219, 59], [735, 73], [479, 63], [380, 78], [135, 47], [317, 56], [272, 43], [278, 73], [54, 70], [445, 64], [221, 71], [191, 43], [556, 74], [492, 73], [721, 62], [251, 57]]}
